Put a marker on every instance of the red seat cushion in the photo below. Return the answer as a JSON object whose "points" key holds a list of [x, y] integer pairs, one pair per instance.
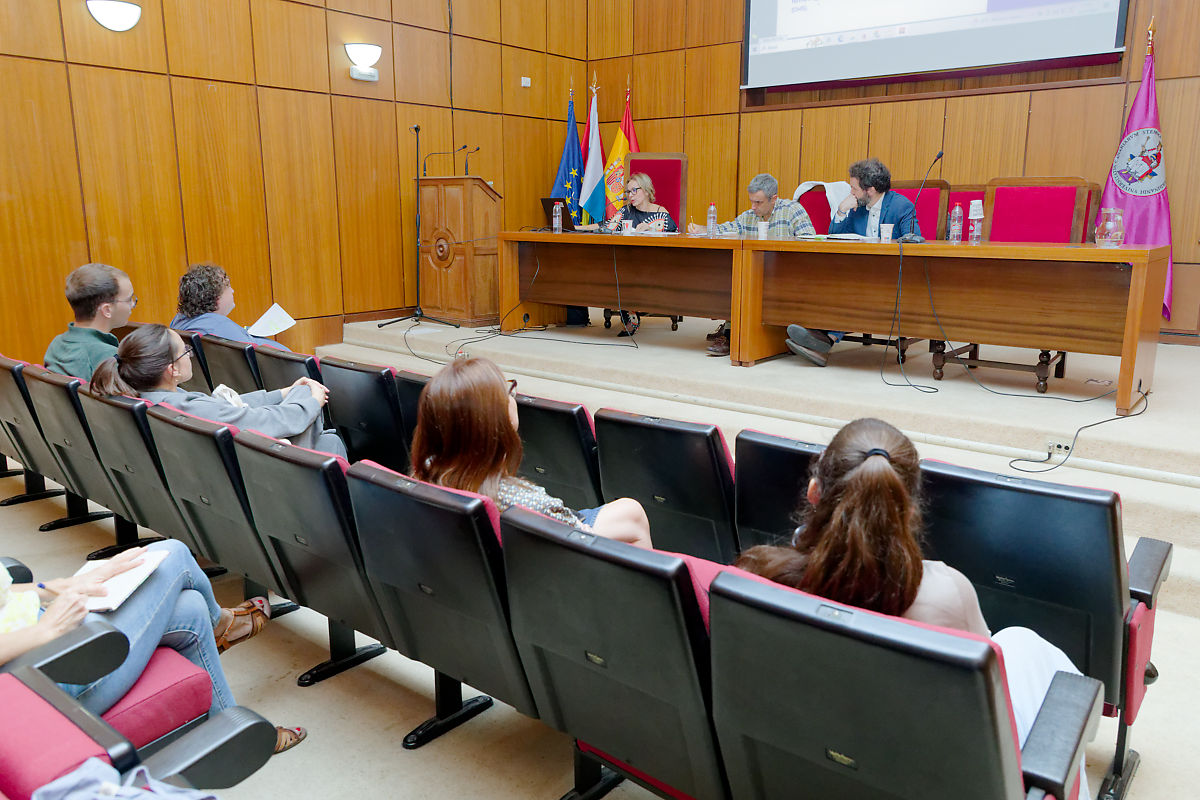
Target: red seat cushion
{"points": [[171, 692], [816, 203], [929, 209], [667, 176], [37, 744], [1033, 214], [1141, 635]]}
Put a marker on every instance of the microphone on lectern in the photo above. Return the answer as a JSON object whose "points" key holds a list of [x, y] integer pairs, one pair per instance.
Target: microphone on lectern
{"points": [[443, 153], [913, 236], [467, 160]]}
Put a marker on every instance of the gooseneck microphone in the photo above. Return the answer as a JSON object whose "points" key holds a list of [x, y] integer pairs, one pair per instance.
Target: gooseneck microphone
{"points": [[467, 160], [912, 235], [443, 153]]}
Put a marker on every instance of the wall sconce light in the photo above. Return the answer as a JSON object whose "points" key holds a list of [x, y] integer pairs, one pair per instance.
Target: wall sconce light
{"points": [[116, 15], [364, 57]]}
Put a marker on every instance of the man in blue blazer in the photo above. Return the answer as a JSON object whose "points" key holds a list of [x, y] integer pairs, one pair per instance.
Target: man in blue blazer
{"points": [[871, 203]]}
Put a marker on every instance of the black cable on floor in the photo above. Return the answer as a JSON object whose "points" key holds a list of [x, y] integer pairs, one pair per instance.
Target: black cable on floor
{"points": [[1144, 402]]}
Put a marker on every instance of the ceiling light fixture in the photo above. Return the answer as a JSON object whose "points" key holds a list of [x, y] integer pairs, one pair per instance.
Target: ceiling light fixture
{"points": [[116, 15]]}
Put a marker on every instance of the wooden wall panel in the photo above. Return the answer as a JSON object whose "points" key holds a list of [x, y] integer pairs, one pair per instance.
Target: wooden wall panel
{"points": [[566, 28], [516, 99], [30, 29], [1178, 30], [658, 25], [434, 14], [436, 136], [657, 78], [309, 334], [221, 178], [613, 75], [477, 18], [192, 26], [1074, 131], [289, 46], [131, 181], [561, 73], [831, 140], [711, 80], [1179, 114], [770, 142], [1185, 304], [302, 217], [42, 233], [530, 161], [523, 23], [88, 42], [485, 131], [907, 135], [663, 136], [368, 187], [712, 166], [422, 61], [609, 29], [713, 22], [379, 9], [349, 28], [985, 137], [475, 74]]}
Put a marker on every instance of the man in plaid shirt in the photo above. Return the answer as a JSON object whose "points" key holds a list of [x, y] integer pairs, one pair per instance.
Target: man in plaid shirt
{"points": [[783, 218]]}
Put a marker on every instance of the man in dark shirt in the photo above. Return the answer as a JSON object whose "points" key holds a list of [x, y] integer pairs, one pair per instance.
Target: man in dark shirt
{"points": [[102, 298]]}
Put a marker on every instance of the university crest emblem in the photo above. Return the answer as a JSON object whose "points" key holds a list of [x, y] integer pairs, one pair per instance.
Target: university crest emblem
{"points": [[1138, 166]]}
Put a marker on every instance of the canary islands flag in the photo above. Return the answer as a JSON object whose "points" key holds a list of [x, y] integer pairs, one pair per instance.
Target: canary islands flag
{"points": [[614, 174], [592, 194], [569, 180]]}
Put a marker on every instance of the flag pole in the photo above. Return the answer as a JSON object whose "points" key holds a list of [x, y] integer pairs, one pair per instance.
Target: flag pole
{"points": [[1150, 37]]}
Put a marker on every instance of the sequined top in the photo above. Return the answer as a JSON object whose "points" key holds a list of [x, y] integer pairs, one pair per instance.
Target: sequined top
{"points": [[520, 492]]}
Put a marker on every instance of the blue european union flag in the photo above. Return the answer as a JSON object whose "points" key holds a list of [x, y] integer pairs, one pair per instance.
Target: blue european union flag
{"points": [[570, 168]]}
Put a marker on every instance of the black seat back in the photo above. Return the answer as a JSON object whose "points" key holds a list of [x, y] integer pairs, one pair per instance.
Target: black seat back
{"points": [[55, 400], [770, 484], [301, 509], [408, 388], [816, 699], [199, 381], [231, 363], [560, 450], [279, 368], [681, 474], [365, 409], [23, 432], [615, 649], [1041, 555], [201, 466], [127, 450], [433, 559]]}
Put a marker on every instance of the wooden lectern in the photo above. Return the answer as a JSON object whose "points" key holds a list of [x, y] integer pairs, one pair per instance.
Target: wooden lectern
{"points": [[460, 219]]}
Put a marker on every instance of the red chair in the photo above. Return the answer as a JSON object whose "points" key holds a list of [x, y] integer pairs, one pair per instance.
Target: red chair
{"points": [[816, 203], [932, 211]]}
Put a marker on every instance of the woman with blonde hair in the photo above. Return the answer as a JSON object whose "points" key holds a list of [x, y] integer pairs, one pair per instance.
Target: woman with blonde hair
{"points": [[466, 438]]}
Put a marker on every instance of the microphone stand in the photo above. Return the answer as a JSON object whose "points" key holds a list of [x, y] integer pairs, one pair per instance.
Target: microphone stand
{"points": [[912, 236], [467, 159], [418, 313], [428, 156]]}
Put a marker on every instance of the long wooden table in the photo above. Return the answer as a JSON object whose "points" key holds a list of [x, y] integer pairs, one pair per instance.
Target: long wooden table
{"points": [[1077, 298]]}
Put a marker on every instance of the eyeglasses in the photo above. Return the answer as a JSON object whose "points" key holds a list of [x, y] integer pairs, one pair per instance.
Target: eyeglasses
{"points": [[632, 190], [132, 300], [512, 387], [187, 351]]}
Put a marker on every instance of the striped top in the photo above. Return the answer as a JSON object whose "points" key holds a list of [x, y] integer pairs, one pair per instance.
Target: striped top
{"points": [[788, 218]]}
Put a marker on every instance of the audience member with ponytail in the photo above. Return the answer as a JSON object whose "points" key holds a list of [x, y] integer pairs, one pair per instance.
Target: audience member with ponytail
{"points": [[152, 361], [859, 544]]}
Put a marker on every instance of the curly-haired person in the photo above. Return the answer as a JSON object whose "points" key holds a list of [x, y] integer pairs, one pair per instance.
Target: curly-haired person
{"points": [[205, 300]]}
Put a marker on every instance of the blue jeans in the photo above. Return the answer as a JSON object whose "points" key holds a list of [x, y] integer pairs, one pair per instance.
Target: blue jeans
{"points": [[175, 608]]}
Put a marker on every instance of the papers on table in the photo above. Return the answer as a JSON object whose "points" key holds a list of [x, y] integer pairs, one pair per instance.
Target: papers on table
{"points": [[274, 320], [843, 237], [121, 586]]}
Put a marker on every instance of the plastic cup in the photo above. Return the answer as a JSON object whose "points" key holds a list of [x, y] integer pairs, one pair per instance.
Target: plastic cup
{"points": [[763, 228], [885, 232], [626, 226]]}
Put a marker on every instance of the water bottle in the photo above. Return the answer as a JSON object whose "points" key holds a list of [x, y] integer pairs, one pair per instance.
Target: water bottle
{"points": [[712, 219], [956, 220], [557, 218]]}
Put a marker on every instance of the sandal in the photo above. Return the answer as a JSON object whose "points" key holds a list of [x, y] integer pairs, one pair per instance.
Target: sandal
{"points": [[287, 738], [241, 623]]}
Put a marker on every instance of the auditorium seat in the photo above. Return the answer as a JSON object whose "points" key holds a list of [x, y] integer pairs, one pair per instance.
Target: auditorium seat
{"points": [[127, 450], [199, 381], [616, 652], [846, 703], [280, 368], [162, 722], [1052, 558], [231, 363], [55, 401], [365, 409], [301, 509], [559, 441], [680, 472], [199, 461], [408, 389], [433, 560], [771, 479]]}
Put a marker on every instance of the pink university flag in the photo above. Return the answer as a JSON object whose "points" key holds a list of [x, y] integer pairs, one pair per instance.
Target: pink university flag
{"points": [[1137, 183]]}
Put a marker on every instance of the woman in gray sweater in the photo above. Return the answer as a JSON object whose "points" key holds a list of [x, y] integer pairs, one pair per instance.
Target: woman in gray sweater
{"points": [[152, 361]]}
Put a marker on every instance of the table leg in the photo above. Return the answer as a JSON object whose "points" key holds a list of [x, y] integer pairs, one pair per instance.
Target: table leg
{"points": [[1143, 318], [751, 339]]}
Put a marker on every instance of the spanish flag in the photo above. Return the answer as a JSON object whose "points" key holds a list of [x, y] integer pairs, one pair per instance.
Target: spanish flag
{"points": [[614, 172]]}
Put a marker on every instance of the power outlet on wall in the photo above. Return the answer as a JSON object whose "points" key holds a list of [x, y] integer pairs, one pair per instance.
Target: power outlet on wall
{"points": [[1058, 447]]}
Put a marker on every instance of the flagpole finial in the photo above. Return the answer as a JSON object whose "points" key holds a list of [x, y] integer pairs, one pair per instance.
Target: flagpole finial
{"points": [[595, 83], [1150, 37]]}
